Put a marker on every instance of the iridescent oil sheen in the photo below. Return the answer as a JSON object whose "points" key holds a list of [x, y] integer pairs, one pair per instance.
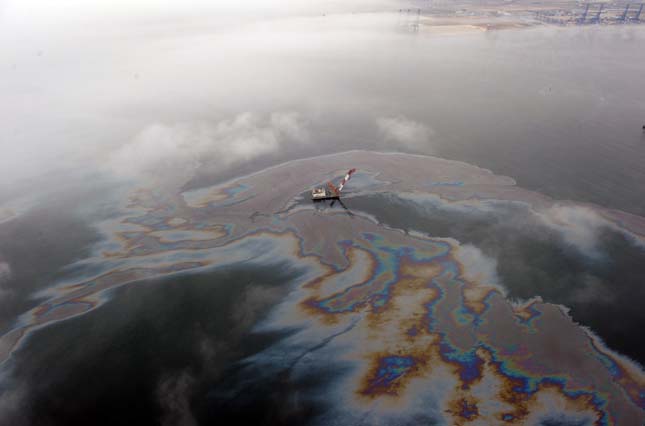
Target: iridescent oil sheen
{"points": [[417, 326]]}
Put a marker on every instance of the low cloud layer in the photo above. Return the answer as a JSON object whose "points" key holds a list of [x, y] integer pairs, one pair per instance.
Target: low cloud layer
{"points": [[579, 226], [403, 131], [252, 305], [12, 405], [162, 152], [173, 393], [5, 275], [205, 77], [166, 154], [5, 272], [477, 266]]}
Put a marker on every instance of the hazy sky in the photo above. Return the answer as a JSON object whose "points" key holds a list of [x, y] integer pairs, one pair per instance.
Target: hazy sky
{"points": [[151, 89], [162, 92], [81, 80]]}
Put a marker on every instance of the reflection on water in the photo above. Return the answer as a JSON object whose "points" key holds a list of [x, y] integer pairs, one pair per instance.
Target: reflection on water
{"points": [[424, 303], [436, 291]]}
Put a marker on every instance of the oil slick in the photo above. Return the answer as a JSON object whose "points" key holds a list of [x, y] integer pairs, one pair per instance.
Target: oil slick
{"points": [[419, 326]]}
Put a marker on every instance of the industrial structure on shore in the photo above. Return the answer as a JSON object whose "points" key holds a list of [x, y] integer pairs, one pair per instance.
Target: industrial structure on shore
{"points": [[522, 13], [594, 13]]}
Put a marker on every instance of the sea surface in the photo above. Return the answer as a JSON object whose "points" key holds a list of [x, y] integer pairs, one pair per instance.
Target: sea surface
{"points": [[114, 313]]}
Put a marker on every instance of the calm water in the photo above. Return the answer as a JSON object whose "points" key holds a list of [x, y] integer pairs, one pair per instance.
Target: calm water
{"points": [[559, 110]]}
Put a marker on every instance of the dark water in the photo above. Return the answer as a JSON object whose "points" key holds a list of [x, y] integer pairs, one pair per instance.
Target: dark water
{"points": [[604, 292], [559, 111], [172, 350], [151, 354], [40, 244]]}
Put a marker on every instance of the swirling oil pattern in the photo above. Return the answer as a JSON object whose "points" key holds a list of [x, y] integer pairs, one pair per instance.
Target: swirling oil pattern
{"points": [[417, 328]]}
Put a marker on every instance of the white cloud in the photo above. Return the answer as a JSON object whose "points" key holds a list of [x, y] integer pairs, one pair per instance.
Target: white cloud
{"points": [[478, 267], [165, 62], [250, 307], [408, 133], [5, 275], [579, 226], [173, 394], [5, 272], [163, 152], [6, 214], [14, 405]]}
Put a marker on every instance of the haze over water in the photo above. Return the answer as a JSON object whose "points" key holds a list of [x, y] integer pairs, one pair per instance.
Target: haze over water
{"points": [[559, 110], [97, 107]]}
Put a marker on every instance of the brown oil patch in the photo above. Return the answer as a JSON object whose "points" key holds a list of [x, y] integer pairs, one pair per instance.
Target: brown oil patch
{"points": [[475, 296], [549, 399], [527, 311], [401, 328], [386, 378], [463, 410]]}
